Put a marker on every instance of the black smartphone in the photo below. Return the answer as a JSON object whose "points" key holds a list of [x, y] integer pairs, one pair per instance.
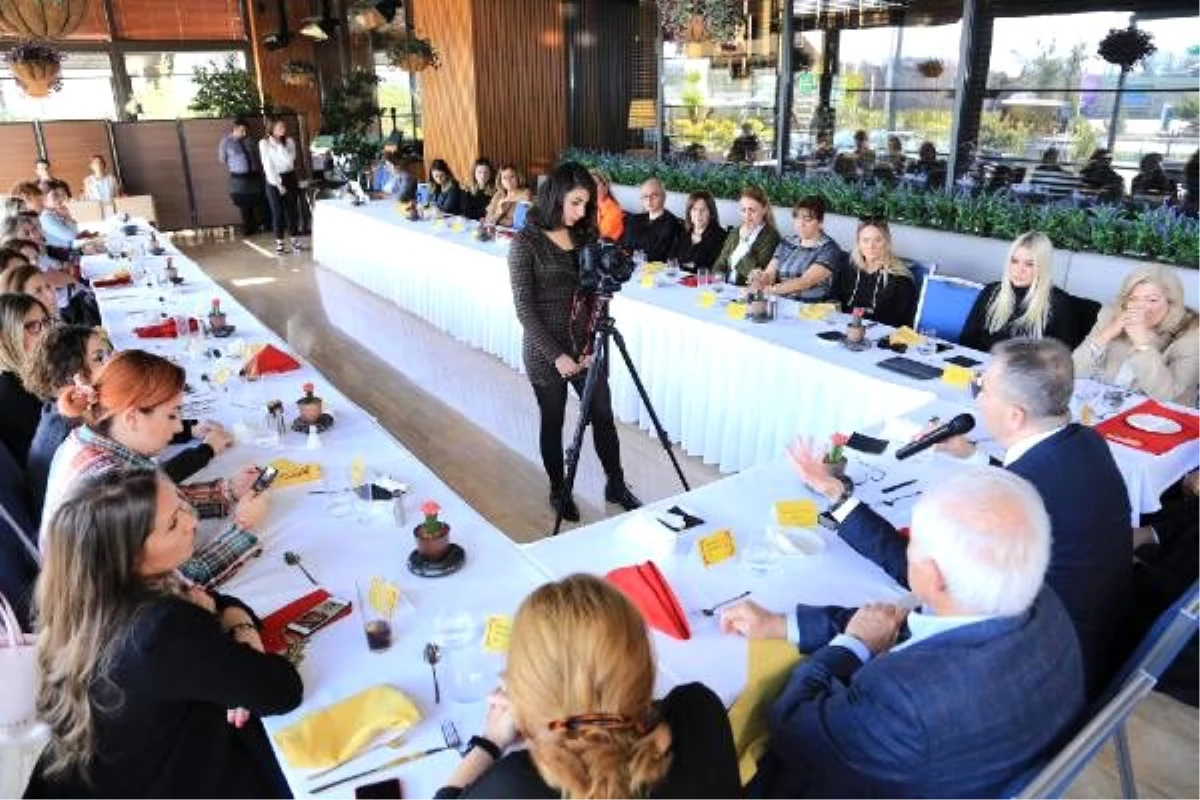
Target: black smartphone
{"points": [[388, 789], [831, 336], [963, 361], [312, 620], [264, 480]]}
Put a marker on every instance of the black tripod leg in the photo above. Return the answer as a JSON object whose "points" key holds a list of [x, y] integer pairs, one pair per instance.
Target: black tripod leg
{"points": [[658, 428], [600, 356]]}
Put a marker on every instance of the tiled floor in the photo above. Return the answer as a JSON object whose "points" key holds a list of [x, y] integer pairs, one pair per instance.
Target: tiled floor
{"points": [[473, 421]]}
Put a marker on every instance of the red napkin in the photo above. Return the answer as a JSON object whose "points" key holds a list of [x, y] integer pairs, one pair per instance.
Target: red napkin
{"points": [[271, 359], [275, 635], [647, 589], [165, 329], [688, 280], [1120, 431], [113, 281]]}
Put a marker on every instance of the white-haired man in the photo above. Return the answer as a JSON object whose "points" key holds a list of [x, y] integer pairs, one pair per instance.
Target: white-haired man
{"points": [[656, 230], [987, 678]]}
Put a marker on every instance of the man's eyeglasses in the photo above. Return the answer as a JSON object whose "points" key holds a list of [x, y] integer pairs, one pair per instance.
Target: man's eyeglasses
{"points": [[35, 326]]}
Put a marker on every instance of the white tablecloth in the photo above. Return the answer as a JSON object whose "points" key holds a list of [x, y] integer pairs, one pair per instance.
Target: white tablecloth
{"points": [[338, 551]]}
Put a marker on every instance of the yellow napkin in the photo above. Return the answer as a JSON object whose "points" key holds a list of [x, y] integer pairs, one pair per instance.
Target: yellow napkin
{"points": [[653, 267], [956, 376], [337, 732], [736, 310], [906, 335], [771, 662], [707, 299], [293, 474], [647, 281], [815, 311]]}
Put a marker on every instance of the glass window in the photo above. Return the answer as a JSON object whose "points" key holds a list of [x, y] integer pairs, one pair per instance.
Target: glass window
{"points": [[86, 93], [398, 90], [162, 82]]}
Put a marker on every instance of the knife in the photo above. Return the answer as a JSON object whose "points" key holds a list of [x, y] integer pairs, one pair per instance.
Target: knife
{"points": [[1125, 440], [395, 762]]}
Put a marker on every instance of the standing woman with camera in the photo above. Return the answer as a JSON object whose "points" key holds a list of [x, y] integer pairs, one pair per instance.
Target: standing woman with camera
{"points": [[543, 265]]}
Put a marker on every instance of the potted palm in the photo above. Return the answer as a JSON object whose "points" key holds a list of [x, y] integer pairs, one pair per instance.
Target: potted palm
{"points": [[412, 53], [36, 66]]}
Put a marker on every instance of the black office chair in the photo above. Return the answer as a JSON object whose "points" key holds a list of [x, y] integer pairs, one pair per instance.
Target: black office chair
{"points": [[20, 562], [1086, 311]]}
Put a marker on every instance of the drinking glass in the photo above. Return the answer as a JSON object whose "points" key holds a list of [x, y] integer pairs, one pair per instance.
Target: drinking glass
{"points": [[760, 555], [928, 345], [702, 277], [378, 598], [716, 282]]}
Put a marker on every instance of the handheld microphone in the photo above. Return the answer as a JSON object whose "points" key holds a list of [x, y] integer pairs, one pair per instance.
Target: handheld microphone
{"points": [[961, 424]]}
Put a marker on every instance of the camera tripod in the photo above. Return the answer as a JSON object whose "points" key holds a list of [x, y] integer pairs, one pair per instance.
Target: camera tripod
{"points": [[604, 328]]}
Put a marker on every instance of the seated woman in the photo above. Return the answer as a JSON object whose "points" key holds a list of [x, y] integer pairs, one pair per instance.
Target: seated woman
{"points": [[100, 184], [30, 195], [23, 320], [583, 706], [804, 265], [609, 214], [512, 190], [876, 281], [80, 309], [11, 257], [702, 238], [1099, 176], [478, 191], [397, 181], [444, 191], [1147, 339], [1026, 303], [1151, 177], [128, 416], [750, 246], [149, 688], [60, 228]]}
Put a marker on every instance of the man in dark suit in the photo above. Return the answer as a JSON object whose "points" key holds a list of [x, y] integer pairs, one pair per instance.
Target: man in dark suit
{"points": [[1024, 398], [654, 231], [983, 681]]}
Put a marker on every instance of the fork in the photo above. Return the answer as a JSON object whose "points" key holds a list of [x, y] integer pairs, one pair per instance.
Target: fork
{"points": [[894, 500], [449, 734]]}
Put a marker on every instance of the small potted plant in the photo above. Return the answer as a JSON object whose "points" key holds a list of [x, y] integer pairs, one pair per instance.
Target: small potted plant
{"points": [[931, 68], [36, 66], [298, 73], [311, 407], [856, 331], [432, 535], [412, 53], [172, 271], [216, 317], [835, 458]]}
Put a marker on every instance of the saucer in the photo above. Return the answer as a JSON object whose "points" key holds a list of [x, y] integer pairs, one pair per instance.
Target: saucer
{"points": [[324, 423], [449, 564], [221, 333]]}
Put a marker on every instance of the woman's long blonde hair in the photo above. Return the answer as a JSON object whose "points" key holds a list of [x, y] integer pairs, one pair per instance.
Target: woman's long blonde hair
{"points": [[892, 264], [1035, 308], [1179, 317], [86, 599], [580, 648], [13, 308]]}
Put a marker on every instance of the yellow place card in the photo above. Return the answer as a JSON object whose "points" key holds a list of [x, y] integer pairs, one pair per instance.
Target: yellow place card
{"points": [[647, 281], [652, 267], [294, 474], [457, 226], [1086, 415], [736, 310], [796, 513], [496, 633], [717, 547], [956, 376], [815, 311], [707, 299], [906, 335]]}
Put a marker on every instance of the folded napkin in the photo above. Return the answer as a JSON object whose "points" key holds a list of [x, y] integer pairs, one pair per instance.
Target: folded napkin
{"points": [[906, 335], [167, 329], [771, 662], [1119, 430], [816, 311], [121, 278], [342, 730], [688, 280], [269, 359], [647, 589], [294, 474]]}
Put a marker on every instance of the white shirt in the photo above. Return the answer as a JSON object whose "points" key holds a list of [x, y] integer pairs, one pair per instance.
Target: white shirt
{"points": [[921, 626], [277, 158], [743, 245], [103, 187]]}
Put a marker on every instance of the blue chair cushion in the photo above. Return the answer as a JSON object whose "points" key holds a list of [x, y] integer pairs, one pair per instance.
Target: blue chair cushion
{"points": [[945, 305]]}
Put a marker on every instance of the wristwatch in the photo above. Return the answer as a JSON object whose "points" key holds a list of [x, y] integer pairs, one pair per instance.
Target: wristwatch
{"points": [[485, 744], [847, 493]]}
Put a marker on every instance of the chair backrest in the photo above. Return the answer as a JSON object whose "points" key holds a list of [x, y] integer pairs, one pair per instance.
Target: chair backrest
{"points": [[86, 210], [1171, 632], [519, 214], [140, 205], [19, 559], [1086, 311], [944, 305], [920, 272], [422, 193]]}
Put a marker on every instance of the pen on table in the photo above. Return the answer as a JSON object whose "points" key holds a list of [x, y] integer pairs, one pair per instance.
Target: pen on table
{"points": [[896, 486]]}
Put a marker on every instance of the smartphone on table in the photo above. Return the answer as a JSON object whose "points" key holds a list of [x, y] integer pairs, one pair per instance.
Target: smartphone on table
{"points": [[315, 618]]}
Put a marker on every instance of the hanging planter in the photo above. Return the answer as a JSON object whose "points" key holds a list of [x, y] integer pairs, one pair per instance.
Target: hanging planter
{"points": [[411, 53], [298, 73], [37, 68], [699, 20], [42, 19], [931, 68], [1125, 47]]}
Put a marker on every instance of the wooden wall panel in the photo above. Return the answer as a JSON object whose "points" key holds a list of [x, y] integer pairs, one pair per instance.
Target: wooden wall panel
{"points": [[70, 146], [304, 100], [210, 181], [150, 164], [181, 20], [18, 151], [521, 78], [448, 95]]}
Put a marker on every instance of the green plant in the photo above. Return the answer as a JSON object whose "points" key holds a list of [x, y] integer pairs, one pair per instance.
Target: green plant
{"points": [[226, 90], [348, 115], [411, 52], [1125, 47], [720, 18]]}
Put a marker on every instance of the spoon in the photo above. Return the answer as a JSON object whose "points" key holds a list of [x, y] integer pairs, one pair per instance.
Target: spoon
{"points": [[712, 611], [433, 654], [292, 559], [895, 500]]}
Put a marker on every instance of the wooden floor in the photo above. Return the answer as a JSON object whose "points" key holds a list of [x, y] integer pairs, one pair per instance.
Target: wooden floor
{"points": [[472, 420]]}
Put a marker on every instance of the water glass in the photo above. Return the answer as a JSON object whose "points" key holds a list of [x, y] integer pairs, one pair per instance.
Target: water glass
{"points": [[471, 674], [928, 345], [702, 277], [716, 281], [760, 553]]}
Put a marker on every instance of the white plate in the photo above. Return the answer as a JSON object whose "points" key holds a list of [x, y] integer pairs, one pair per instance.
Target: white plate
{"points": [[797, 541], [1152, 423]]}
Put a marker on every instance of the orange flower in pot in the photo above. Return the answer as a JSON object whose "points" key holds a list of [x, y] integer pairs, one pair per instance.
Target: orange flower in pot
{"points": [[216, 317], [835, 459], [310, 406], [432, 535]]}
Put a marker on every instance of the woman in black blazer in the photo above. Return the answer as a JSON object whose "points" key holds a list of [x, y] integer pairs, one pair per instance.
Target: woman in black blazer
{"points": [[445, 192], [150, 688], [23, 320], [702, 237]]}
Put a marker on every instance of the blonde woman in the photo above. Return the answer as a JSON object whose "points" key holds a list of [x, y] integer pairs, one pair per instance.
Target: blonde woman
{"points": [[583, 705], [1026, 304], [23, 321], [877, 281], [99, 183], [510, 191], [750, 246], [1147, 340]]}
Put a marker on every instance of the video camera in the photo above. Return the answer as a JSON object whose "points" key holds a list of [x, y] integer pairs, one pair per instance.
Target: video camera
{"points": [[603, 267]]}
